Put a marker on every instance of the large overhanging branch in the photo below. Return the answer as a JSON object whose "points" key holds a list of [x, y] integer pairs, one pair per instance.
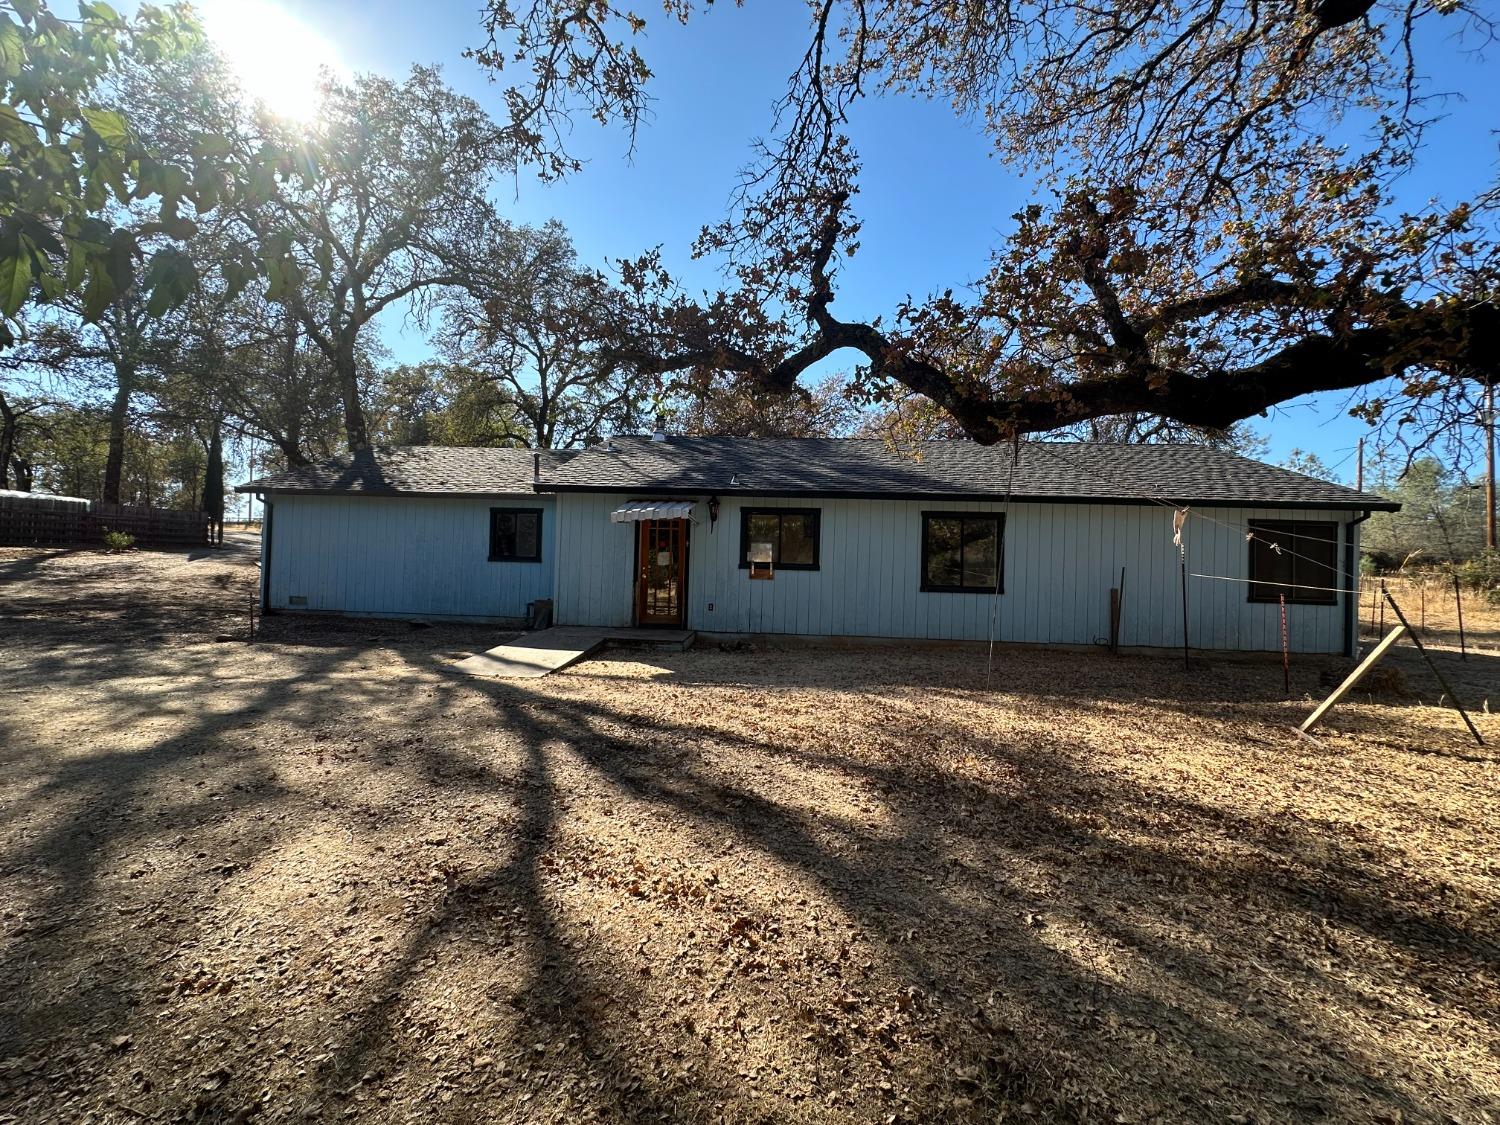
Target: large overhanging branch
{"points": [[1212, 400], [1124, 375]]}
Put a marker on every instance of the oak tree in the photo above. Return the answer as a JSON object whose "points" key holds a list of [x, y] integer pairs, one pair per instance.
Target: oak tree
{"points": [[396, 212], [1217, 231]]}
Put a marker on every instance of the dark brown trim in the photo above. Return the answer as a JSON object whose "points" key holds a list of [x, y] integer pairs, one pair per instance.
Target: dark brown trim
{"points": [[1299, 546], [540, 514], [972, 497], [390, 493], [267, 510], [932, 588], [1351, 579], [816, 514]]}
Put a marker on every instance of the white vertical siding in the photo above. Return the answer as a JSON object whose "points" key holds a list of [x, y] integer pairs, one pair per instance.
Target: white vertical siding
{"points": [[596, 562], [1060, 562], [424, 556]]}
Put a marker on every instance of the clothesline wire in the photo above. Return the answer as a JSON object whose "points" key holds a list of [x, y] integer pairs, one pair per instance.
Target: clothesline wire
{"points": [[989, 665], [1265, 582], [1248, 532]]}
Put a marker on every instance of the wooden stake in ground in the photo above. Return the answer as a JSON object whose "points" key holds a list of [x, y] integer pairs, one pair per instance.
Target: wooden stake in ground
{"points": [[1122, 601], [1353, 678], [1453, 695], [1114, 620]]}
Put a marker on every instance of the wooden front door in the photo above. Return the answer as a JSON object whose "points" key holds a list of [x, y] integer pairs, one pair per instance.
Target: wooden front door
{"points": [[661, 573]]}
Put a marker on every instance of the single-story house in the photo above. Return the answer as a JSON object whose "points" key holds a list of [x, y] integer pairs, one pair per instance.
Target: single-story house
{"points": [[827, 537]]}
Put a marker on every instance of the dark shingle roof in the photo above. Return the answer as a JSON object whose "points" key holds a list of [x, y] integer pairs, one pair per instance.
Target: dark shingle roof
{"points": [[831, 467], [871, 467], [420, 469]]}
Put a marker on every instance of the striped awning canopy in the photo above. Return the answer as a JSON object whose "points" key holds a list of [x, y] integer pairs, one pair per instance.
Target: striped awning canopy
{"points": [[638, 510]]}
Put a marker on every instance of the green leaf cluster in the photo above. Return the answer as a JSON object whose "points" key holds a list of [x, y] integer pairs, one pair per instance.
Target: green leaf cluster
{"points": [[75, 175]]}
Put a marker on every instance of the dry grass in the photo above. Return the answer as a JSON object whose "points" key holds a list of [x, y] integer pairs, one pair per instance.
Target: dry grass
{"points": [[322, 876], [1427, 599]]}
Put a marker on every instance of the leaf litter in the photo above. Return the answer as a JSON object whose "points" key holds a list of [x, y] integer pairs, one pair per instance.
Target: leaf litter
{"points": [[325, 877]]}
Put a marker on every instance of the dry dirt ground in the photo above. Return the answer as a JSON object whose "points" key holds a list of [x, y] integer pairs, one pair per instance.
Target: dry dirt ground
{"points": [[323, 877]]}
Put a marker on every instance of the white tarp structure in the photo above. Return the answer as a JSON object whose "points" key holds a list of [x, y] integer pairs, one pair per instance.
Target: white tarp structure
{"points": [[638, 510], [43, 500]]}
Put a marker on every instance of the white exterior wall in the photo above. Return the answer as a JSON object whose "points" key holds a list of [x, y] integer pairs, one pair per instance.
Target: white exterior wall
{"points": [[1060, 562], [406, 556]]}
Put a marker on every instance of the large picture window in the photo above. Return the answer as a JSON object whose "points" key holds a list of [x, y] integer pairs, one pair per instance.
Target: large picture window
{"points": [[962, 552], [1288, 556], [515, 535], [791, 532]]}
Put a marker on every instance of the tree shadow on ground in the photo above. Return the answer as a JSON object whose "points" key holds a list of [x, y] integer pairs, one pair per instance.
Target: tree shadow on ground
{"points": [[877, 880], [1007, 925]]}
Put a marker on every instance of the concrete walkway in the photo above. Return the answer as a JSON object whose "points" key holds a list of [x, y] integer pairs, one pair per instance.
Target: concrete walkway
{"points": [[551, 650]]}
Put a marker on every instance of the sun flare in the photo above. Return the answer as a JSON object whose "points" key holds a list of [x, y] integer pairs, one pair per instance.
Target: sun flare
{"points": [[276, 57]]}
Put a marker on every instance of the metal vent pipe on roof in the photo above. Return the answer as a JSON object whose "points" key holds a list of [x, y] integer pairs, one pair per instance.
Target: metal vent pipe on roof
{"points": [[660, 433]]}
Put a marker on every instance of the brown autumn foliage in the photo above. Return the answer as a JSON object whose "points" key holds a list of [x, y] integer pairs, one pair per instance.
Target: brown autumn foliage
{"points": [[1222, 237]]}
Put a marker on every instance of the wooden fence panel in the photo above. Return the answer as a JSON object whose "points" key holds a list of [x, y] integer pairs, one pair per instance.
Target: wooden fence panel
{"points": [[42, 520], [154, 526], [52, 521]]}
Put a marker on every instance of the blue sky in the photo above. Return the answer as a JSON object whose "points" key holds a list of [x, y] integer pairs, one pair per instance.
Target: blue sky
{"points": [[932, 200]]}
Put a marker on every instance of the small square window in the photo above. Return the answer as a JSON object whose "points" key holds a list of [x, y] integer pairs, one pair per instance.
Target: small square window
{"points": [[515, 535], [1298, 558]]}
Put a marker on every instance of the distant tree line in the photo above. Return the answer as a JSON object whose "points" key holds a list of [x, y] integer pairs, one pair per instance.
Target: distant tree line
{"points": [[181, 271], [1442, 510], [239, 302]]}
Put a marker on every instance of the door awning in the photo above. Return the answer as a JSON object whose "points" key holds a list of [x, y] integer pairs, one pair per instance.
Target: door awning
{"points": [[638, 510]]}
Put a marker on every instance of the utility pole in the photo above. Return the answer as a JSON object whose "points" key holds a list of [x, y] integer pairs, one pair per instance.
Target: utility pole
{"points": [[1359, 472], [1489, 461]]}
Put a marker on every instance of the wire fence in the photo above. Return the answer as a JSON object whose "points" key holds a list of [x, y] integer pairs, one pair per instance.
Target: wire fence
{"points": [[1431, 605]]}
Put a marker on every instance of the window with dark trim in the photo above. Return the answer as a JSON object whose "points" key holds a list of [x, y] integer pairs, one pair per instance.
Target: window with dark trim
{"points": [[1286, 556], [963, 552], [792, 533], [515, 535]]}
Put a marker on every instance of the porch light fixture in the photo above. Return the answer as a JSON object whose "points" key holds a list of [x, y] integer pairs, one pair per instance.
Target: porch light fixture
{"points": [[713, 512]]}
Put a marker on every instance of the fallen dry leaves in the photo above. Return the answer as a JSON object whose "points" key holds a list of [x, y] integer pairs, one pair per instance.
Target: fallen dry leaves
{"points": [[323, 876]]}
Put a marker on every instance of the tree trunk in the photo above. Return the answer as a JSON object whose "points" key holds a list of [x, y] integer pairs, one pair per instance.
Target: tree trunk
{"points": [[7, 439], [290, 443], [119, 413], [292, 451], [347, 371], [213, 481]]}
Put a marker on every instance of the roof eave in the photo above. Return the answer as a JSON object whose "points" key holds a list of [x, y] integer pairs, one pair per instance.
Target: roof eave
{"points": [[1356, 504], [386, 493]]}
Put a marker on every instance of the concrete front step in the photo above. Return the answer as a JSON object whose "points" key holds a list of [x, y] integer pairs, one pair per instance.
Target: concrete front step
{"points": [[551, 650]]}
